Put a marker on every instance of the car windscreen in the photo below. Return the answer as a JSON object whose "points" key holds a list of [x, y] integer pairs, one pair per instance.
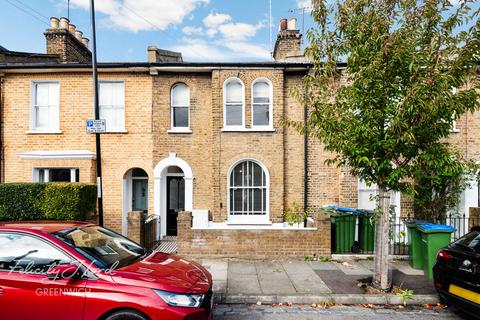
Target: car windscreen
{"points": [[103, 247], [470, 241]]}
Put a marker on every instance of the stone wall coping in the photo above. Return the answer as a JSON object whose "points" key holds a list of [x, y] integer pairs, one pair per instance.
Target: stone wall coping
{"points": [[273, 227]]}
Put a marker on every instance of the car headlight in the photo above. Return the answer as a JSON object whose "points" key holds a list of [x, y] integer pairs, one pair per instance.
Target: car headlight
{"points": [[181, 300]]}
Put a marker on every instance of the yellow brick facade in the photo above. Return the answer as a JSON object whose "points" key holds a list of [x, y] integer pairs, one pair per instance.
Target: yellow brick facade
{"points": [[208, 150]]}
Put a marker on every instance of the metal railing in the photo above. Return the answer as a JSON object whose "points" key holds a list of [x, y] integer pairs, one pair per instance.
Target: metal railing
{"points": [[359, 239]]}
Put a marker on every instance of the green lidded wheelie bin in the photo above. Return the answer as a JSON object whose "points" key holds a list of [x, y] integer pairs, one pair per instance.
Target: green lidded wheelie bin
{"points": [[344, 221], [434, 237], [367, 231], [415, 243]]}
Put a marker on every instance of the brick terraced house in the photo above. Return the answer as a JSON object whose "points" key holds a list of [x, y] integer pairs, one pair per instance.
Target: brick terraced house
{"points": [[201, 145]]}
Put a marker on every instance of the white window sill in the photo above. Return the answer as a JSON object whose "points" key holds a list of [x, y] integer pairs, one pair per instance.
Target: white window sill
{"points": [[44, 132], [257, 129], [261, 220], [454, 130], [178, 130]]}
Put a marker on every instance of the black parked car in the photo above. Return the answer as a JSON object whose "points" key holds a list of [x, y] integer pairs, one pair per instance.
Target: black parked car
{"points": [[456, 273]]}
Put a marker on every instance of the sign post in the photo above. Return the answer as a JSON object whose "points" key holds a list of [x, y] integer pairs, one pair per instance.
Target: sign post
{"points": [[97, 115]]}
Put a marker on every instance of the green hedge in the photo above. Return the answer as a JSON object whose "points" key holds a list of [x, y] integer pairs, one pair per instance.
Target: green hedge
{"points": [[47, 201]]}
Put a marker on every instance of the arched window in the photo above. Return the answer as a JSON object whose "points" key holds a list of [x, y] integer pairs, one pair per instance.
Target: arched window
{"points": [[180, 106], [248, 192], [233, 103], [262, 112]]}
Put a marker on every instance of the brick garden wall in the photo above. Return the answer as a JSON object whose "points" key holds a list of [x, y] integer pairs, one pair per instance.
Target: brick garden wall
{"points": [[253, 244]]}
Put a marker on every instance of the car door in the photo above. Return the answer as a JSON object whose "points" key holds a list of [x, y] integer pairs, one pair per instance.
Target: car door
{"points": [[25, 290]]}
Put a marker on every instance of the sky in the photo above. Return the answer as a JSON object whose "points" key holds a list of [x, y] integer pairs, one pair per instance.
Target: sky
{"points": [[203, 30]]}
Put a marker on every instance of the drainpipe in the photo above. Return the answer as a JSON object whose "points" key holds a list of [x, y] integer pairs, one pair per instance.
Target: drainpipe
{"points": [[305, 154], [2, 149]]}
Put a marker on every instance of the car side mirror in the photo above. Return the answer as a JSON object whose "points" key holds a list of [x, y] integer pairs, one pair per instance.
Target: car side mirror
{"points": [[63, 271]]}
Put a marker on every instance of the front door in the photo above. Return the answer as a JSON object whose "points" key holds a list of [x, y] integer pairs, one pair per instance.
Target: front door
{"points": [[139, 194], [175, 202]]}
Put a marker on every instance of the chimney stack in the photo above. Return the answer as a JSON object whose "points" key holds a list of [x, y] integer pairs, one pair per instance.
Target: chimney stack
{"points": [[64, 40], [54, 22], [72, 28], [289, 40], [156, 55]]}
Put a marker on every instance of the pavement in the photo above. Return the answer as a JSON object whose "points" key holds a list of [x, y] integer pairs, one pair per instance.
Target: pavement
{"points": [[307, 282], [255, 312]]}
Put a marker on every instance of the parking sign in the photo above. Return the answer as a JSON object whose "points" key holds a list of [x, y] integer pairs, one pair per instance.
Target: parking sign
{"points": [[96, 126]]}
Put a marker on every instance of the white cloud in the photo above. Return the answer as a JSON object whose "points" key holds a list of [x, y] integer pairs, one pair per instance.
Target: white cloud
{"points": [[213, 20], [194, 49], [223, 39], [192, 30], [137, 15], [304, 4], [239, 31]]}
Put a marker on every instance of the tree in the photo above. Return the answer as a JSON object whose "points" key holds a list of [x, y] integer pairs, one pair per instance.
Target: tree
{"points": [[439, 186], [392, 106]]}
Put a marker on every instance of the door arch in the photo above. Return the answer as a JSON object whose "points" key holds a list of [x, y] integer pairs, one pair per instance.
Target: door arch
{"points": [[161, 173], [135, 194]]}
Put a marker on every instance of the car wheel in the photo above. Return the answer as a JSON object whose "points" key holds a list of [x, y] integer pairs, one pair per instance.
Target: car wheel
{"points": [[126, 315]]}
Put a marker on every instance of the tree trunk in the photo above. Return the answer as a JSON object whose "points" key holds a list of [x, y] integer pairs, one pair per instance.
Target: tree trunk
{"points": [[381, 277]]}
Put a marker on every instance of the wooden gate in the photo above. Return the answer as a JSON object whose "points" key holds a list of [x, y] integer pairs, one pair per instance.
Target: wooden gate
{"points": [[149, 239]]}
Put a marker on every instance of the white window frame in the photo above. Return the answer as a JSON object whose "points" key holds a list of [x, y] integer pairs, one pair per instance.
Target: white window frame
{"points": [[174, 129], [454, 128], [373, 189], [246, 218], [270, 107], [36, 173], [234, 127], [108, 128], [55, 128]]}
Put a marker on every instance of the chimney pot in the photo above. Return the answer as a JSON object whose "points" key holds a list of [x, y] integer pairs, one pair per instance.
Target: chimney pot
{"points": [[292, 24], [78, 35], [283, 24], [85, 42], [54, 22], [64, 23], [72, 28]]}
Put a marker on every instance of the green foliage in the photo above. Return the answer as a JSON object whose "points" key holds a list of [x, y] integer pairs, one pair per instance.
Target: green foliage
{"points": [[405, 294], [392, 106], [439, 185], [52, 201], [68, 201], [308, 258], [295, 214], [20, 201]]}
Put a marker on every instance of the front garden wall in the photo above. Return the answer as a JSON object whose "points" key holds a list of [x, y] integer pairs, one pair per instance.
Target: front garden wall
{"points": [[254, 243]]}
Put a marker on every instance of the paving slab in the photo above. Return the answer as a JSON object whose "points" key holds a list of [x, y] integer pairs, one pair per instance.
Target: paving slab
{"points": [[304, 279], [244, 284], [317, 265], [219, 286], [353, 268], [239, 268], [367, 264], [218, 269], [404, 267], [274, 279]]}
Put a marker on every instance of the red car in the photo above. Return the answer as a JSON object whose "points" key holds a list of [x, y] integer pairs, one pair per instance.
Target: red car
{"points": [[82, 271]]}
